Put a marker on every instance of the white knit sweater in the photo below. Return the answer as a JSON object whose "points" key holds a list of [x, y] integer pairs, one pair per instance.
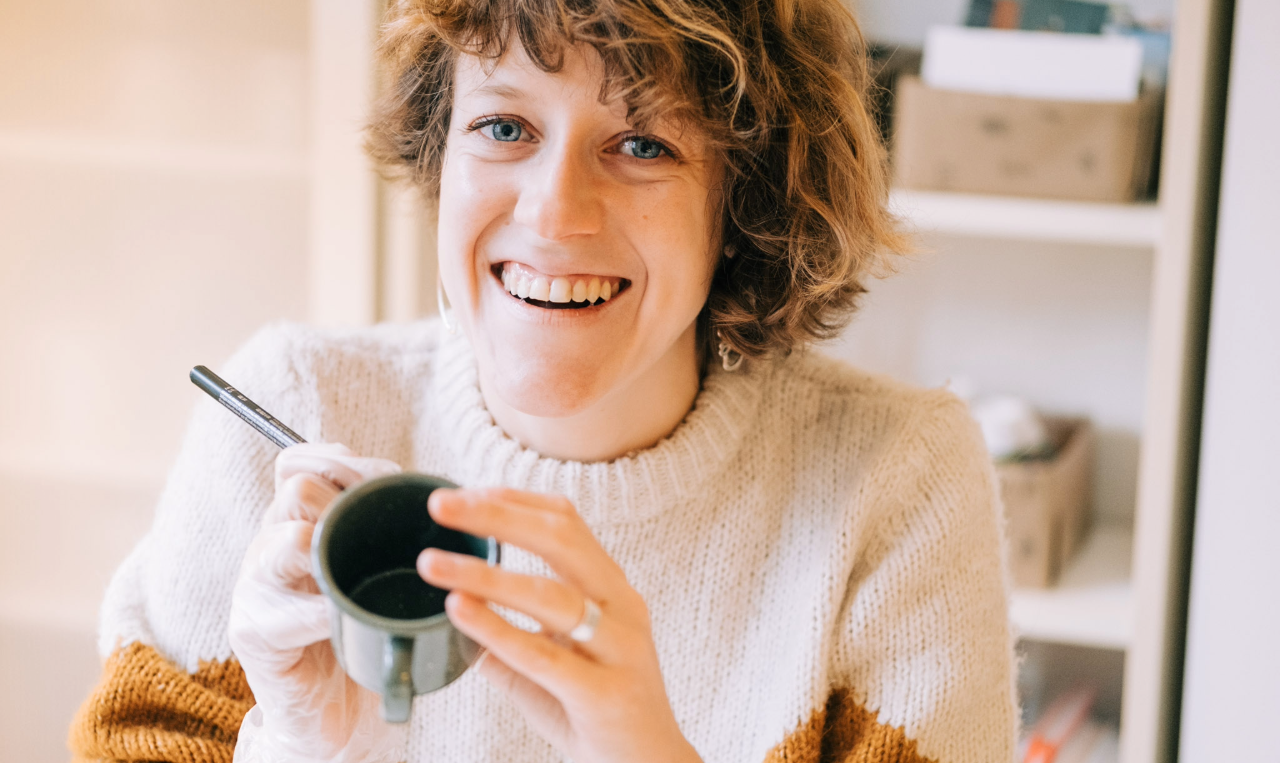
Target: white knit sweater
{"points": [[814, 544]]}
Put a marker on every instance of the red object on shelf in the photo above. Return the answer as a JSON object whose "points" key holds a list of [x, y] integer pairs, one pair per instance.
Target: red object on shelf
{"points": [[1060, 721], [1006, 14], [1040, 751]]}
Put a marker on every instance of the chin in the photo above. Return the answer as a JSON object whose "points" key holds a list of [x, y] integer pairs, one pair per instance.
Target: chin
{"points": [[538, 386]]}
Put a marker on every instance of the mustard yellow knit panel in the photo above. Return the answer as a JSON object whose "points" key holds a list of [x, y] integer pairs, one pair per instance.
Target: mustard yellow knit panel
{"points": [[845, 732], [145, 708]]}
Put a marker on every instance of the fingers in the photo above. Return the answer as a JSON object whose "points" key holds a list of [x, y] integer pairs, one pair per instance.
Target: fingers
{"points": [[303, 496], [560, 671], [544, 525], [277, 608], [332, 461], [539, 707], [280, 556], [556, 606], [310, 475]]}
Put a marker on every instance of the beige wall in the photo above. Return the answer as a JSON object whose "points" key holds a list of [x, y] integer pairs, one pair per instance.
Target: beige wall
{"points": [[153, 212]]}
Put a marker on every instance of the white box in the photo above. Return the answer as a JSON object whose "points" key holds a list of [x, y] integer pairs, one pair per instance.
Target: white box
{"points": [[1044, 65]]}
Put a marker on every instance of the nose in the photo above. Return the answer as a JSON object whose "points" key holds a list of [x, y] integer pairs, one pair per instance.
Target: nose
{"points": [[561, 198]]}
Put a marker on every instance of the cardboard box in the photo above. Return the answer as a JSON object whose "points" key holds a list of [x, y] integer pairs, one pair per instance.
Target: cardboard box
{"points": [[948, 140], [1047, 504]]}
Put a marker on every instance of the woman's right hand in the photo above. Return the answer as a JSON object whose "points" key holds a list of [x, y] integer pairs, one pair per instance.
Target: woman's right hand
{"points": [[307, 709]]}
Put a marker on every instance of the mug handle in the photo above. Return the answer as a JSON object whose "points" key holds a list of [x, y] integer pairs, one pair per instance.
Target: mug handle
{"points": [[397, 679]]}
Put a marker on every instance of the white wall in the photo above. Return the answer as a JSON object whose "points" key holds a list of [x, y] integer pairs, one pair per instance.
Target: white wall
{"points": [[1231, 698], [905, 21]]}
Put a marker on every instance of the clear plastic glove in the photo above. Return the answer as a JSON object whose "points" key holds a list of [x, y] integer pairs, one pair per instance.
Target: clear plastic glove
{"points": [[308, 709]]}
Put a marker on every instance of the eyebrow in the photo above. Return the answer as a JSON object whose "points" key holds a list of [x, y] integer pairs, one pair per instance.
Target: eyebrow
{"points": [[498, 89]]}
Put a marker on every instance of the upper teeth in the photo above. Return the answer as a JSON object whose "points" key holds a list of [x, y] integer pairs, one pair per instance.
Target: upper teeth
{"points": [[559, 289]]}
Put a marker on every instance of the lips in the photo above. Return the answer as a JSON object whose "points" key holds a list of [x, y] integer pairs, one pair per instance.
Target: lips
{"points": [[557, 292]]}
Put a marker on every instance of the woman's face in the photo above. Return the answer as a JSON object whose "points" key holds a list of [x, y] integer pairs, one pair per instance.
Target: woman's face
{"points": [[576, 252]]}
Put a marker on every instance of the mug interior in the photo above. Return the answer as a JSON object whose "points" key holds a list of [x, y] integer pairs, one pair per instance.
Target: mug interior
{"points": [[371, 542]]}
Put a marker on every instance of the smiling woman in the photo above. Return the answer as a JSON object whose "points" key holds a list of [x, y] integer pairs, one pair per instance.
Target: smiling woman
{"points": [[767, 97], [569, 195], [781, 559]]}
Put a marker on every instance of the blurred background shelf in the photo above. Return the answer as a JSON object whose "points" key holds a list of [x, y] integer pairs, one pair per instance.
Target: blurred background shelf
{"points": [[1134, 225], [1092, 605]]}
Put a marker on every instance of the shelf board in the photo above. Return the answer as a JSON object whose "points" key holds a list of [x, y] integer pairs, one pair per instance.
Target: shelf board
{"points": [[1092, 605], [1004, 217]]}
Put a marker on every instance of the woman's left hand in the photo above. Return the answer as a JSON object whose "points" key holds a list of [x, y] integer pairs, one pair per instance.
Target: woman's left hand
{"points": [[602, 700]]}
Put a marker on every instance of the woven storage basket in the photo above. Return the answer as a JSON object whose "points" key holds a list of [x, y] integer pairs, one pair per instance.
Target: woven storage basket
{"points": [[1047, 503]]}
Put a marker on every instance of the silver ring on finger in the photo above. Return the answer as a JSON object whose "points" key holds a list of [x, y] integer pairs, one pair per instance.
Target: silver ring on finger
{"points": [[585, 630]]}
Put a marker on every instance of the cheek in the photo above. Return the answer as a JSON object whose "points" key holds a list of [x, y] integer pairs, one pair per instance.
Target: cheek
{"points": [[675, 234], [473, 199]]}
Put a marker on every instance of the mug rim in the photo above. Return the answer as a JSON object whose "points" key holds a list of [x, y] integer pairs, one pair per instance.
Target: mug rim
{"points": [[329, 586]]}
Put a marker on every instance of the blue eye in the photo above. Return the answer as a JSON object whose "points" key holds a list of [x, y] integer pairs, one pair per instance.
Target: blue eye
{"points": [[643, 148], [504, 130]]}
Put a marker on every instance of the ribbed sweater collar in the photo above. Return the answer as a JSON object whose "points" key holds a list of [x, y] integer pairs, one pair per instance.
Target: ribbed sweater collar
{"points": [[627, 489]]}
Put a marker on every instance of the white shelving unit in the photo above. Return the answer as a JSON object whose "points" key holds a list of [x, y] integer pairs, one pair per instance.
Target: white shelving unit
{"points": [[1122, 592], [1092, 604], [1005, 217]]}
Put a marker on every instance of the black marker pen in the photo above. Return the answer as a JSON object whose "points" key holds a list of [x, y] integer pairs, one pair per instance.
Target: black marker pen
{"points": [[243, 407]]}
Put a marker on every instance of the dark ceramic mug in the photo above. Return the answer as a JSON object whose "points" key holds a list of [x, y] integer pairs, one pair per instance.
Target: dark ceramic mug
{"points": [[390, 630]]}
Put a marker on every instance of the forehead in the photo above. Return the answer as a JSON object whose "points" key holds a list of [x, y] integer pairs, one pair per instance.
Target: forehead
{"points": [[515, 76]]}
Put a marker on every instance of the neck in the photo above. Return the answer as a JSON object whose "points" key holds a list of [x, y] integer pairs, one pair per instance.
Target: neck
{"points": [[632, 417]]}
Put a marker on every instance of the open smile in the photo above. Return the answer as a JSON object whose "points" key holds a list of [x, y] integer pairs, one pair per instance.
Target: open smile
{"points": [[571, 292]]}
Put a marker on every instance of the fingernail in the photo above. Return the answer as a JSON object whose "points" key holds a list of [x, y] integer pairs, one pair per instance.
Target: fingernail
{"points": [[453, 602], [437, 496], [436, 561]]}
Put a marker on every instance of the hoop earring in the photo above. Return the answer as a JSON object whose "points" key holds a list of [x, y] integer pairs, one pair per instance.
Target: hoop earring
{"points": [[730, 359], [449, 324]]}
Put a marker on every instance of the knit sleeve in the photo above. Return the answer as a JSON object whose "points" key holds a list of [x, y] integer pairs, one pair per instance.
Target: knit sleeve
{"points": [[170, 688], [922, 660]]}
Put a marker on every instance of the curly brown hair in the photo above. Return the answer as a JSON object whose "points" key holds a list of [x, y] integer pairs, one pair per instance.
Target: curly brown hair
{"points": [[777, 87]]}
